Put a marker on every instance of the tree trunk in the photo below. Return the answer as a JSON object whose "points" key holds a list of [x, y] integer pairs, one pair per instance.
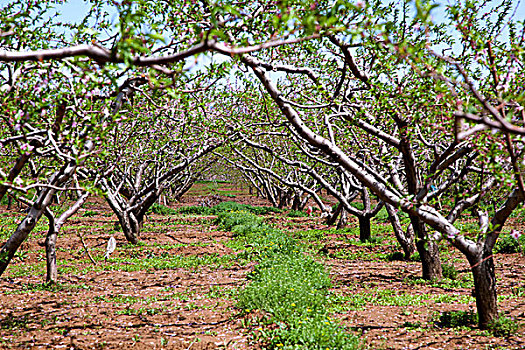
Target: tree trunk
{"points": [[35, 213], [365, 232], [482, 266], [332, 218], [428, 251], [130, 226], [54, 228], [296, 203], [342, 220], [51, 254]]}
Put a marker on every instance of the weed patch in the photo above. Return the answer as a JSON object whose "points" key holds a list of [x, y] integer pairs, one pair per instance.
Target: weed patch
{"points": [[162, 209], [225, 207], [455, 319], [503, 327], [506, 244], [296, 214], [288, 285]]}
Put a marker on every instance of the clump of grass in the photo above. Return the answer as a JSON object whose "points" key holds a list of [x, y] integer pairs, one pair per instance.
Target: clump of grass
{"points": [[288, 285], [240, 222], [395, 256], [225, 207], [506, 244], [195, 210], [503, 327], [296, 214], [456, 319], [500, 327], [234, 206], [449, 271], [415, 257], [162, 209]]}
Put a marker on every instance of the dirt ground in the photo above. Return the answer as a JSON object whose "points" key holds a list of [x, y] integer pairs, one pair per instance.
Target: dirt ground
{"points": [[112, 305]]}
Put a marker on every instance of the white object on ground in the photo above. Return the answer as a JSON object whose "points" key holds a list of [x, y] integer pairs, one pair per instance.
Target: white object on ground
{"points": [[112, 244]]}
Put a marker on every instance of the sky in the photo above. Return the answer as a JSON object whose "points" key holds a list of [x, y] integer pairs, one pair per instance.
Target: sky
{"points": [[74, 10]]}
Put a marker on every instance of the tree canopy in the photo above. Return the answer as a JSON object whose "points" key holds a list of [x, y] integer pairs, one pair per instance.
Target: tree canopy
{"points": [[372, 100]]}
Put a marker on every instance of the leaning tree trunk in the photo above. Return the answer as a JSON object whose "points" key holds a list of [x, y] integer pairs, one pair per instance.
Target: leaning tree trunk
{"points": [[331, 219], [405, 239], [428, 251], [128, 222], [35, 213]]}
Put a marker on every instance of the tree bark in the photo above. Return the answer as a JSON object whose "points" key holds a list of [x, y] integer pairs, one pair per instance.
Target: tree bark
{"points": [[365, 232], [333, 218], [405, 239], [54, 228], [35, 213], [130, 226], [342, 220], [428, 251], [51, 254], [482, 267]]}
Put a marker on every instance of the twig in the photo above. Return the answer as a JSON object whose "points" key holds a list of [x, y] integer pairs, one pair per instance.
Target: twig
{"points": [[86, 248]]}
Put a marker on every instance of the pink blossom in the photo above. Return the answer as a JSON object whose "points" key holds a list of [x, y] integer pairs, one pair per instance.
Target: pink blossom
{"points": [[27, 147], [452, 235], [515, 234]]}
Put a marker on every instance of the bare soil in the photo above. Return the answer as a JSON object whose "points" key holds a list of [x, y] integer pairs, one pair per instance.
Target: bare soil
{"points": [[113, 306]]}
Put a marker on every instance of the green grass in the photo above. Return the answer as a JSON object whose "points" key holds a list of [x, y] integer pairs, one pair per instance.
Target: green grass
{"points": [[503, 326], [90, 213], [388, 297], [27, 288], [166, 261], [464, 281], [457, 319], [288, 285], [506, 244], [141, 311], [162, 209], [296, 214], [228, 207]]}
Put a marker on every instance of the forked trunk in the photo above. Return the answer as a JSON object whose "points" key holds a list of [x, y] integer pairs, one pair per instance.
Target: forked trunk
{"points": [[130, 226], [51, 239], [333, 218], [482, 267], [23, 230]]}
